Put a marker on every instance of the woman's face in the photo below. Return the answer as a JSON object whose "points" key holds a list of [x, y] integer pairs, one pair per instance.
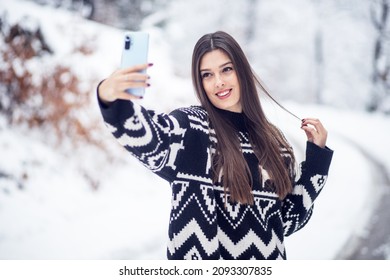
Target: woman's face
{"points": [[220, 81]]}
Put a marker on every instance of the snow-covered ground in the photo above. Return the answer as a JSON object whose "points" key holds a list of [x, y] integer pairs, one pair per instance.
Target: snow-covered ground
{"points": [[48, 209]]}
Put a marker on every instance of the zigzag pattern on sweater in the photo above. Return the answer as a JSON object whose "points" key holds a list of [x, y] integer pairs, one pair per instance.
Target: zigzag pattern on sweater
{"points": [[248, 240], [193, 229]]}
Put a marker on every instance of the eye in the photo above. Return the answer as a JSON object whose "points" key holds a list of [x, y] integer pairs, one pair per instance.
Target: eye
{"points": [[205, 75], [227, 69]]}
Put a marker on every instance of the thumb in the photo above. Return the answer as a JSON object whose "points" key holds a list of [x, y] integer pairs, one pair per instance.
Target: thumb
{"points": [[308, 132]]}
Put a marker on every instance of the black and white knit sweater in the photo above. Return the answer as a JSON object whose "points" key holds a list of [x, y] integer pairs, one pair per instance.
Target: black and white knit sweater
{"points": [[179, 148]]}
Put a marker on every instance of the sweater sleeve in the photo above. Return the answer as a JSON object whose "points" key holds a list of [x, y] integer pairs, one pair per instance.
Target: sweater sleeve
{"points": [[297, 207], [154, 139]]}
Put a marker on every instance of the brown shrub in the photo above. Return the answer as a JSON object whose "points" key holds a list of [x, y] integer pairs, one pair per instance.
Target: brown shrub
{"points": [[52, 100]]}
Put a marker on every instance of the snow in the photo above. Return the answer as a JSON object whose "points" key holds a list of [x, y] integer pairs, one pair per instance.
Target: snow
{"points": [[48, 209]]}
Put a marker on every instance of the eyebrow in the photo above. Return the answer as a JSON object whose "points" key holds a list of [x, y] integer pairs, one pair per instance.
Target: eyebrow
{"points": [[221, 66]]}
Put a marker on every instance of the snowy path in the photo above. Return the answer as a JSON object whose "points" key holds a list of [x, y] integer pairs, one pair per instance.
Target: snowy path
{"points": [[374, 242]]}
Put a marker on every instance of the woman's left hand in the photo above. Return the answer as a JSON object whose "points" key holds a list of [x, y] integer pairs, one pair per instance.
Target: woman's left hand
{"points": [[315, 131]]}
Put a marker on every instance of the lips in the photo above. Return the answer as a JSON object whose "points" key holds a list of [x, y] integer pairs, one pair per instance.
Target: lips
{"points": [[224, 93]]}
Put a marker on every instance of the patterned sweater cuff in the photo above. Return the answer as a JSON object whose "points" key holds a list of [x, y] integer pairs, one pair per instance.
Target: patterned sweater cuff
{"points": [[114, 112], [318, 158]]}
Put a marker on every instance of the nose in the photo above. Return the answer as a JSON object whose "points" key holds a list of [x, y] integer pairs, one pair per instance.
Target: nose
{"points": [[219, 82]]}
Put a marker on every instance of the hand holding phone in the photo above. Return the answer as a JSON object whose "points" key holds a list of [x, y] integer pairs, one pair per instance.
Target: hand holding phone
{"points": [[135, 52]]}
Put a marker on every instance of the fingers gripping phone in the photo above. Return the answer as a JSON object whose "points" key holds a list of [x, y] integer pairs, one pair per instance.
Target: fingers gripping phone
{"points": [[135, 51]]}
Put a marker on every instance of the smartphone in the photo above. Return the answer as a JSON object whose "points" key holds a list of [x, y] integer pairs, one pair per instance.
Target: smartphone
{"points": [[134, 52]]}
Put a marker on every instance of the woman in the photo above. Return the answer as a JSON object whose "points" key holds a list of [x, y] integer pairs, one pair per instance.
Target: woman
{"points": [[235, 194]]}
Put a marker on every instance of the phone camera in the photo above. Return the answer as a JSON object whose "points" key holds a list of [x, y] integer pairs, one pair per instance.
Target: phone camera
{"points": [[127, 42]]}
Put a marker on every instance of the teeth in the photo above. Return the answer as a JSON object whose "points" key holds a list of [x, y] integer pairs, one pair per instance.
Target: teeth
{"points": [[223, 93]]}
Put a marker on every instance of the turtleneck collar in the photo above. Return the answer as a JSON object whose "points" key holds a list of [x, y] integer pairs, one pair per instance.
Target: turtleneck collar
{"points": [[237, 119]]}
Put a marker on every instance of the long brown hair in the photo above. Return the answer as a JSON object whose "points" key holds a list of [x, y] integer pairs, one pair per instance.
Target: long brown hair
{"points": [[266, 140]]}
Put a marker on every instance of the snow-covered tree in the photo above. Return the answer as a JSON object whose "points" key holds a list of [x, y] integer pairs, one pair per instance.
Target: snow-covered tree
{"points": [[380, 10]]}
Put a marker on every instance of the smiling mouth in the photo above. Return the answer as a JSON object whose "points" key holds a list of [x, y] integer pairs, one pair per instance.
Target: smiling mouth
{"points": [[224, 93]]}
